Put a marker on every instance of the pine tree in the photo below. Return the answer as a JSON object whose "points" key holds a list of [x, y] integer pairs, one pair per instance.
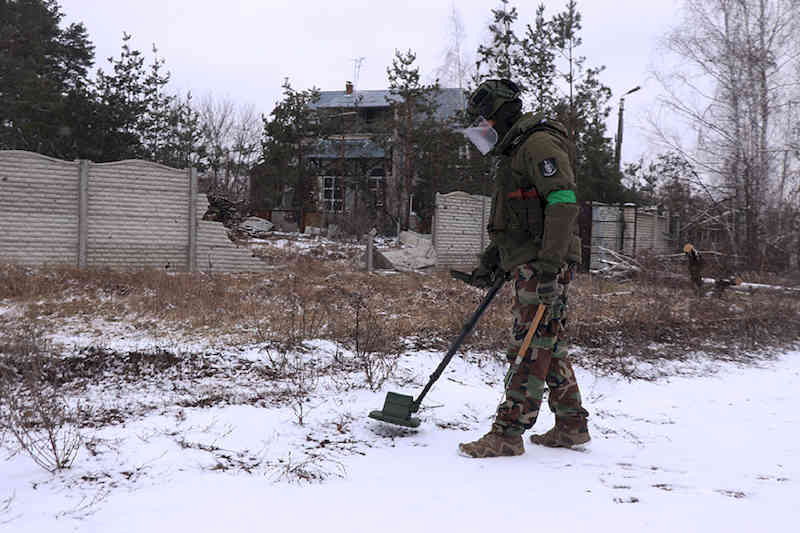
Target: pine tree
{"points": [[286, 147], [43, 77], [180, 141], [443, 166], [584, 108], [556, 81], [502, 57], [565, 27], [538, 68], [595, 166], [161, 114], [413, 108], [123, 103], [136, 117]]}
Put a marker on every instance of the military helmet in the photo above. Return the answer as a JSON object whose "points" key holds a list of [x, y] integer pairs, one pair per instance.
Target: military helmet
{"points": [[490, 96]]}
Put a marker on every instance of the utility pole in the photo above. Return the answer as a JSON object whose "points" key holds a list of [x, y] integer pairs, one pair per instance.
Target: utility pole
{"points": [[618, 150]]}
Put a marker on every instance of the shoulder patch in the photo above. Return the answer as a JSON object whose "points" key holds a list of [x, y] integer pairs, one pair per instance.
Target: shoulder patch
{"points": [[548, 167]]}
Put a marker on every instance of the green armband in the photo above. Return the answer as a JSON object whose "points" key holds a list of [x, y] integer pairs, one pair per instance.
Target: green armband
{"points": [[561, 197]]}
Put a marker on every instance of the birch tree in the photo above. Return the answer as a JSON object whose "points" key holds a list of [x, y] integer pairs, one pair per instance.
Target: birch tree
{"points": [[736, 78], [456, 69]]}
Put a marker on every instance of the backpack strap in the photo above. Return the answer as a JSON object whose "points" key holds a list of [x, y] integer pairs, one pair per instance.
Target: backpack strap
{"points": [[542, 125]]}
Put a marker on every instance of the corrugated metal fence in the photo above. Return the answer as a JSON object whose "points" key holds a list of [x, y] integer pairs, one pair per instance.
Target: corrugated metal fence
{"points": [[126, 214], [627, 229]]}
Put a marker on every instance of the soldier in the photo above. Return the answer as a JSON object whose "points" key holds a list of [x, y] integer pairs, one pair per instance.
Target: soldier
{"points": [[531, 225]]}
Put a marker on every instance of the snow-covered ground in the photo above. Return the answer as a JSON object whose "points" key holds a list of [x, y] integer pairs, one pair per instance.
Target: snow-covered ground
{"points": [[716, 450]]}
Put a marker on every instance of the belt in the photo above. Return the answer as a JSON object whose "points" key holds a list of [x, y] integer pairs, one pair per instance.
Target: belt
{"points": [[519, 193]]}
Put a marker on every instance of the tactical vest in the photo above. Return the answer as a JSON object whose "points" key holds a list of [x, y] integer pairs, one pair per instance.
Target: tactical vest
{"points": [[519, 212]]}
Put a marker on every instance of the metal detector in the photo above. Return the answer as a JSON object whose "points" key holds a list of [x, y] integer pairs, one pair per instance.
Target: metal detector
{"points": [[398, 408]]}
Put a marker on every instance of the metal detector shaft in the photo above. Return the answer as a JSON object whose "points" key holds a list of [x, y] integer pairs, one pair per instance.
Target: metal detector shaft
{"points": [[465, 331]]}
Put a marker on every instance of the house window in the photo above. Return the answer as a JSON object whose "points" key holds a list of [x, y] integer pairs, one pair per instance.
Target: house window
{"points": [[332, 194], [377, 185]]}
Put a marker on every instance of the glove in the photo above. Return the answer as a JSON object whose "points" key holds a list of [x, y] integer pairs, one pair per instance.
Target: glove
{"points": [[488, 268], [545, 286], [490, 258], [483, 278], [480, 277], [567, 274]]}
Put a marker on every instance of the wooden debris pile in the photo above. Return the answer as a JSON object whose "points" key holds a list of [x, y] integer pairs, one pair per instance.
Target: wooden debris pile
{"points": [[220, 209]]}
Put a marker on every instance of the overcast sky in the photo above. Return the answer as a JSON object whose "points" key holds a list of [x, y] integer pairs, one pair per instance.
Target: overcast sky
{"points": [[243, 49]]}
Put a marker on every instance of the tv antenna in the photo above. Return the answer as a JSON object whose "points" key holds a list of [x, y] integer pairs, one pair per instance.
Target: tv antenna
{"points": [[356, 71]]}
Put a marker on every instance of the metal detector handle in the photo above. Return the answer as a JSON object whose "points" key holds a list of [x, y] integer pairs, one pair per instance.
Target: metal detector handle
{"points": [[465, 331]]}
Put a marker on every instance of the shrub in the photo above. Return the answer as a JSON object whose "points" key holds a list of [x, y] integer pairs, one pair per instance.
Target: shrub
{"points": [[34, 414]]}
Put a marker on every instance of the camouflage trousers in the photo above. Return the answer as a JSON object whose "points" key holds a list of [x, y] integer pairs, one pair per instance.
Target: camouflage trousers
{"points": [[545, 363]]}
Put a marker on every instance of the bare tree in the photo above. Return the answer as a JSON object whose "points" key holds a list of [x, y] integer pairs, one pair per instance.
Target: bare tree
{"points": [[738, 60], [232, 136], [457, 66]]}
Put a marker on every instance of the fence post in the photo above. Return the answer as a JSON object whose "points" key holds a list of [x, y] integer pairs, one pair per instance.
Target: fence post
{"points": [[654, 231], [370, 249], [585, 222], [191, 261], [83, 212], [433, 225]]}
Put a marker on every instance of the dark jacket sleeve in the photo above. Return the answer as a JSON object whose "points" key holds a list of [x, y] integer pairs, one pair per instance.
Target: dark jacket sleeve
{"points": [[546, 163]]}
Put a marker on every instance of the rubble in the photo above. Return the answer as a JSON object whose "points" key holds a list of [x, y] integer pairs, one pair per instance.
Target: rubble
{"points": [[379, 260], [220, 209], [233, 215], [256, 227], [416, 252]]}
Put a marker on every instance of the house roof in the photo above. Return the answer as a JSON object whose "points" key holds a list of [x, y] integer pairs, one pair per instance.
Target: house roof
{"points": [[362, 98], [349, 148], [450, 100]]}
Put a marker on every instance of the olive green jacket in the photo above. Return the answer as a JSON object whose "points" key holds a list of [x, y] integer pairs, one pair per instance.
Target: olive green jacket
{"points": [[533, 216]]}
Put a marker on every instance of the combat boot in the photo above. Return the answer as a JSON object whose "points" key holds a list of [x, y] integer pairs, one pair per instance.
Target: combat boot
{"points": [[564, 436], [493, 444]]}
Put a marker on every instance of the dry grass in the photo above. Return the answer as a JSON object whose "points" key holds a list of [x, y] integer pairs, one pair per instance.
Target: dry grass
{"points": [[666, 321], [309, 299], [313, 298]]}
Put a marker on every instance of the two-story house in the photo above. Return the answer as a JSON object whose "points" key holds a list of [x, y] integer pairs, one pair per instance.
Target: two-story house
{"points": [[358, 166]]}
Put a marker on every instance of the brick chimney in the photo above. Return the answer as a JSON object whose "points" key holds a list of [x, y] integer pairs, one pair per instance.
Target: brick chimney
{"points": [[348, 87]]}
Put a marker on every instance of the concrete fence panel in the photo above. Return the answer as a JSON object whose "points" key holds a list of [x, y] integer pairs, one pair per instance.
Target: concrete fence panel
{"points": [[137, 215], [126, 214], [459, 229], [38, 210]]}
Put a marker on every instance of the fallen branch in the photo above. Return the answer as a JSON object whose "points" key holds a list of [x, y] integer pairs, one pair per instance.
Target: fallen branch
{"points": [[738, 285], [621, 266]]}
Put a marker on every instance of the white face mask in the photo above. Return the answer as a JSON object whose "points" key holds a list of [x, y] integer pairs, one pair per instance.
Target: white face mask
{"points": [[482, 135]]}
